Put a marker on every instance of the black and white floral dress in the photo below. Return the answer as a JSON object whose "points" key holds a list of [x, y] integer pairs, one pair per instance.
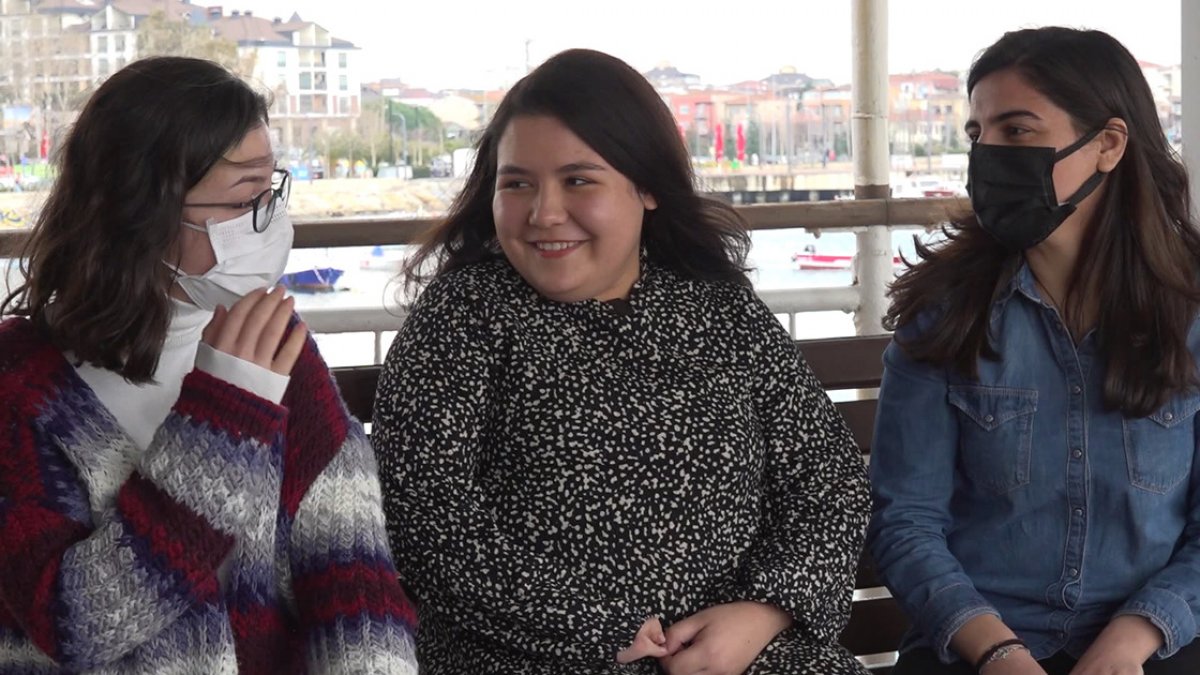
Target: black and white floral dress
{"points": [[554, 473]]}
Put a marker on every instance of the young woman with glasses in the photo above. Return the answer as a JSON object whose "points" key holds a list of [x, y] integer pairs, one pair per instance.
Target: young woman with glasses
{"points": [[181, 486]]}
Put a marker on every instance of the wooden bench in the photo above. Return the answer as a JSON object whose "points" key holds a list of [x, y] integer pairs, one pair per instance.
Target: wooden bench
{"points": [[841, 364]]}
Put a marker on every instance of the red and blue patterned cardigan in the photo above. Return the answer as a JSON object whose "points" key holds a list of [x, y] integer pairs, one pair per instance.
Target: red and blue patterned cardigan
{"points": [[248, 538]]}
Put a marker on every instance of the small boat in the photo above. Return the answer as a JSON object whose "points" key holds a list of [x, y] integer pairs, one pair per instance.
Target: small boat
{"points": [[390, 259], [809, 259], [315, 280], [918, 187]]}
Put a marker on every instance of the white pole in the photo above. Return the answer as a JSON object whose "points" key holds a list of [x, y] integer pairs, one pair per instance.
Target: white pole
{"points": [[873, 264]]}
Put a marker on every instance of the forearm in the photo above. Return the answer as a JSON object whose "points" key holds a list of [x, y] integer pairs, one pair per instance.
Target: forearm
{"points": [[978, 635], [1129, 635], [344, 577]]}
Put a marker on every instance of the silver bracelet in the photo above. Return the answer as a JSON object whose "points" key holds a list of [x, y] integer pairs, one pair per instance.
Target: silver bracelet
{"points": [[1003, 653]]}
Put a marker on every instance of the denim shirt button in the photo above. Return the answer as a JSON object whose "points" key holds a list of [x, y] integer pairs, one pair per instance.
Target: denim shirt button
{"points": [[1168, 416], [1073, 572], [1078, 512], [1077, 453], [1077, 390], [989, 419]]}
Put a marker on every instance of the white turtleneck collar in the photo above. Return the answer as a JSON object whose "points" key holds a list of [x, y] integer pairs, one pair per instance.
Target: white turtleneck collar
{"points": [[141, 408]]}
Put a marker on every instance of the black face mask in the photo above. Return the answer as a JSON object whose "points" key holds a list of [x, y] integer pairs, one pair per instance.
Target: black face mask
{"points": [[1012, 191]]}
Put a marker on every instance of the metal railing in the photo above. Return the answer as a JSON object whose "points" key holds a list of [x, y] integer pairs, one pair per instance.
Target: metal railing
{"points": [[867, 218]]}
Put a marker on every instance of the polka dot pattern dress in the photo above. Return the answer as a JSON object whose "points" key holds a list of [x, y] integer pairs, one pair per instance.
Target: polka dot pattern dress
{"points": [[554, 473]]}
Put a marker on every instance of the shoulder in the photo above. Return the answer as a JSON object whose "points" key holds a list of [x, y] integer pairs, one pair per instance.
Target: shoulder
{"points": [[19, 339], [1193, 339], [706, 295], [478, 295], [28, 360], [726, 321], [485, 280]]}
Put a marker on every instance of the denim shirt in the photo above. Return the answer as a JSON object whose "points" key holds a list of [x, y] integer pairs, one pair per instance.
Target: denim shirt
{"points": [[1020, 495]]}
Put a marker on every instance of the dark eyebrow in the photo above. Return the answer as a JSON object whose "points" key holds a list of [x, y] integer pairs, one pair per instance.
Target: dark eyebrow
{"points": [[253, 163], [512, 169], [1003, 117], [579, 166]]}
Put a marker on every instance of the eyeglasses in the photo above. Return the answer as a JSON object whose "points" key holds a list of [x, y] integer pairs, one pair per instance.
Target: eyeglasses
{"points": [[281, 186]]}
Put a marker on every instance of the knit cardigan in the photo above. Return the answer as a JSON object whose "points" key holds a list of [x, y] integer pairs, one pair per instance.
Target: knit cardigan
{"points": [[248, 538]]}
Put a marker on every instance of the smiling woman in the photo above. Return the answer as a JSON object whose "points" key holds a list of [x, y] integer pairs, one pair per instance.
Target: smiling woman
{"points": [[596, 419], [565, 219]]}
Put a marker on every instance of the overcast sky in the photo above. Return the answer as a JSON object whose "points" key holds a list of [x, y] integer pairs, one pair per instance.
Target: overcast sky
{"points": [[473, 43]]}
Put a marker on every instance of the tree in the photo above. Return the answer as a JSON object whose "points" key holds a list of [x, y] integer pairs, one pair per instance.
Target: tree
{"points": [[421, 133], [372, 127], [158, 35], [753, 139]]}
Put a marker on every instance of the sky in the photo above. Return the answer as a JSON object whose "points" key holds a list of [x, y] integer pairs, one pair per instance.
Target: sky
{"points": [[478, 44]]}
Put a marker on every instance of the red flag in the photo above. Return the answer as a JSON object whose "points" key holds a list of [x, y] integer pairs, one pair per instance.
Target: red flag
{"points": [[719, 142], [44, 146], [741, 143]]}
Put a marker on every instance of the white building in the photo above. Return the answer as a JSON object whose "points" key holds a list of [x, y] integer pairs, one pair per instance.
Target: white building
{"points": [[313, 75], [114, 27]]}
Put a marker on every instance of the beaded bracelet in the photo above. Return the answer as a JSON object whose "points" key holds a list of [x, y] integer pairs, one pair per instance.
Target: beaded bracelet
{"points": [[1000, 650]]}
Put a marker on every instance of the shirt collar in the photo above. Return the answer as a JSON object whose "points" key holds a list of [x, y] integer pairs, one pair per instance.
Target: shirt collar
{"points": [[1023, 283]]}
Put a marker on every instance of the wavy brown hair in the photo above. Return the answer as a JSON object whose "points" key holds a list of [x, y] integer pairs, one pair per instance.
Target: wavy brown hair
{"points": [[1139, 254], [93, 264], [616, 112]]}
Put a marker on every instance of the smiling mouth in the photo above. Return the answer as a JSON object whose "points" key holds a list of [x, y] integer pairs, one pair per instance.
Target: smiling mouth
{"points": [[556, 246]]}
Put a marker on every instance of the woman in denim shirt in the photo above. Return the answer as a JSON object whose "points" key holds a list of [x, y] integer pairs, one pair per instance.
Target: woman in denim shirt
{"points": [[1036, 489]]}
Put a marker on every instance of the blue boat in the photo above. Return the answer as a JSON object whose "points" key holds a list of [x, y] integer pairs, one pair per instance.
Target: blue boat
{"points": [[315, 280]]}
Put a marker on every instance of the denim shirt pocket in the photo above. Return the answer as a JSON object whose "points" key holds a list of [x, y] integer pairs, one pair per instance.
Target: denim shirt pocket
{"points": [[995, 435], [1159, 448]]}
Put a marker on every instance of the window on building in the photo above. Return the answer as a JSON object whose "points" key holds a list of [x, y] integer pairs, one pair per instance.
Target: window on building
{"points": [[306, 103], [102, 43], [321, 104], [102, 68], [281, 59], [344, 82], [342, 60], [344, 106], [306, 81], [119, 43], [685, 109], [319, 81]]}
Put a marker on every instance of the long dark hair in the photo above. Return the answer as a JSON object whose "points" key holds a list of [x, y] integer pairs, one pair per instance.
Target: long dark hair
{"points": [[616, 112], [93, 264], [1139, 255]]}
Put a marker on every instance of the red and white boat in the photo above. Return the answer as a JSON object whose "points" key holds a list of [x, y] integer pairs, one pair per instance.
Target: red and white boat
{"points": [[809, 259]]}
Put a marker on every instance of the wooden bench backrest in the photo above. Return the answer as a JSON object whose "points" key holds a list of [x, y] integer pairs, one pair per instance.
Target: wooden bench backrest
{"points": [[876, 621]]}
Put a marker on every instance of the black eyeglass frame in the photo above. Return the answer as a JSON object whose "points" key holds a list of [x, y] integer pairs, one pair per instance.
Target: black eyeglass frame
{"points": [[279, 194]]}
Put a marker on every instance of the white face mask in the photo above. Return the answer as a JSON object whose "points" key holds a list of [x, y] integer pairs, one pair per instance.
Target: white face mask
{"points": [[246, 260]]}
